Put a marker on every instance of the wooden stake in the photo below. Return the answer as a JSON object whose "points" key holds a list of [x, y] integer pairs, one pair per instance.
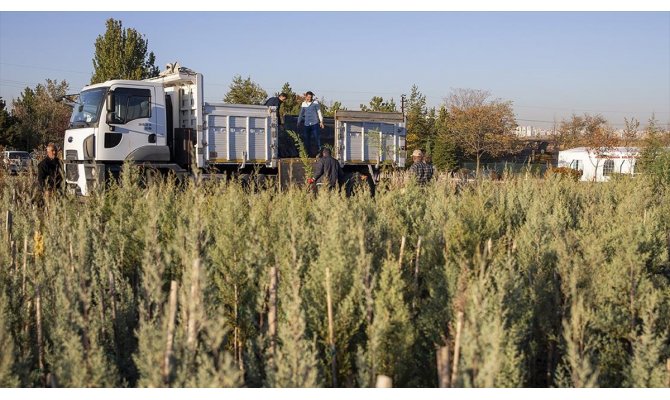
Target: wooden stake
{"points": [[38, 322], [402, 252], [384, 381], [172, 312], [416, 263], [23, 268], [13, 250], [9, 222], [236, 340], [416, 275], [112, 292], [367, 280], [457, 343], [331, 338], [442, 355], [72, 259], [193, 305], [272, 311]]}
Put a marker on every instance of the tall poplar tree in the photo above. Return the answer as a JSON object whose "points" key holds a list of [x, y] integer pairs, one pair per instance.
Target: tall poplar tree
{"points": [[122, 54]]}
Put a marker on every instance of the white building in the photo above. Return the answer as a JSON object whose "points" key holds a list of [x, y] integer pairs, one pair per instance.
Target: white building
{"points": [[526, 131], [599, 166]]}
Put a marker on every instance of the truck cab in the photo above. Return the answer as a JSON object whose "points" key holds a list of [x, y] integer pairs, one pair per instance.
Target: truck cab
{"points": [[123, 120]]}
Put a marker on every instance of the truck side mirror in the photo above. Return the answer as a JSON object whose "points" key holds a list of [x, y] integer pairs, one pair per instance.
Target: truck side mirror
{"points": [[110, 104]]}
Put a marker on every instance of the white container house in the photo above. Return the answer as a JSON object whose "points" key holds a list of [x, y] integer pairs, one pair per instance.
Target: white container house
{"points": [[599, 165]]}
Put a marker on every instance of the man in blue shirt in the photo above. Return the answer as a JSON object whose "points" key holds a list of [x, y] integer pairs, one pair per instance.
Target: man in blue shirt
{"points": [[311, 117]]}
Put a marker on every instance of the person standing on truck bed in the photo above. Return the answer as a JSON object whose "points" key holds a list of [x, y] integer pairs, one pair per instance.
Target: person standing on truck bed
{"points": [[276, 102], [422, 172], [329, 168], [50, 172], [311, 117]]}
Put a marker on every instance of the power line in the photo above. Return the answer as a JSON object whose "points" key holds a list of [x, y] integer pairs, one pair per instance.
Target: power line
{"points": [[44, 68]]}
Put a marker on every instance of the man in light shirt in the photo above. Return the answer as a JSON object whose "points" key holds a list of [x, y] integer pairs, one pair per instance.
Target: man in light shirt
{"points": [[311, 118]]}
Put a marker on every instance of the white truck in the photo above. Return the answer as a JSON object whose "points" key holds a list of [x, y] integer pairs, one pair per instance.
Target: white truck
{"points": [[163, 124]]}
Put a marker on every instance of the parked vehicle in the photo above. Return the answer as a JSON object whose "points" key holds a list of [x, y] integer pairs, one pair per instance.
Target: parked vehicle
{"points": [[15, 161], [599, 166], [163, 124]]}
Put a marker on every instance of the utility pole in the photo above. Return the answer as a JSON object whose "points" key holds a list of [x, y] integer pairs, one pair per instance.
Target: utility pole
{"points": [[402, 104]]}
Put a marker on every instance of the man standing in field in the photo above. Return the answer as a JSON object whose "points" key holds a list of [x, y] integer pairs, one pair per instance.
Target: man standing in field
{"points": [[329, 168], [422, 172], [311, 117], [276, 101], [50, 172]]}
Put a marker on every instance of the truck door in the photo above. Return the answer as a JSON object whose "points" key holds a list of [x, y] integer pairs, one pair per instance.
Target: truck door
{"points": [[134, 123]]}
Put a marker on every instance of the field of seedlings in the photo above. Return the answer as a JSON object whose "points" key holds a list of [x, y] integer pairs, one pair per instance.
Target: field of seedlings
{"points": [[524, 282]]}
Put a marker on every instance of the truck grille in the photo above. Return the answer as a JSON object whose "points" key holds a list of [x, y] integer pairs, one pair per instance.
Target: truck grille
{"points": [[72, 171], [71, 154]]}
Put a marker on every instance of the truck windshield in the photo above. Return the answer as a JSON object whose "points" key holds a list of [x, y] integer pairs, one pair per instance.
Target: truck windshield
{"points": [[86, 112]]}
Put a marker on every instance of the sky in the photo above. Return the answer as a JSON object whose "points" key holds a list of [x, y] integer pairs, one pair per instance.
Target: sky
{"points": [[549, 64]]}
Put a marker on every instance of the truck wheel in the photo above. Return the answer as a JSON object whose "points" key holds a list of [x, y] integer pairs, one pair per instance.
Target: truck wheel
{"points": [[245, 181], [357, 182], [151, 176]]}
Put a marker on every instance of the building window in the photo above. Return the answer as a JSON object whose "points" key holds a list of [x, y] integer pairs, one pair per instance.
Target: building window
{"points": [[577, 165], [608, 167]]}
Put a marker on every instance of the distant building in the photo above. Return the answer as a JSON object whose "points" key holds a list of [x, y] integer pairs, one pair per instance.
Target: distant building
{"points": [[599, 166], [531, 131], [525, 131]]}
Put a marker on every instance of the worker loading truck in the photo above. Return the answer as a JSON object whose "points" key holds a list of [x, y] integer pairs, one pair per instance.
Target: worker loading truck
{"points": [[164, 125]]}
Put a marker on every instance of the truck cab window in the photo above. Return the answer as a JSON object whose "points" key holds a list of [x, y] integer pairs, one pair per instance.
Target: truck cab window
{"points": [[131, 104]]}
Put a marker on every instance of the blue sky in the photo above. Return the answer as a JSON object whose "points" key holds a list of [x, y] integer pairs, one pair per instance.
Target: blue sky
{"points": [[550, 64]]}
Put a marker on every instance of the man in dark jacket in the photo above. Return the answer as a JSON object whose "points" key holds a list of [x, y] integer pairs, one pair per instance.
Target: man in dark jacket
{"points": [[329, 168], [50, 171], [276, 102]]}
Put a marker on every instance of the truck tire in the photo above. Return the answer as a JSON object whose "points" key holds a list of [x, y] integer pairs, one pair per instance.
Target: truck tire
{"points": [[358, 182]]}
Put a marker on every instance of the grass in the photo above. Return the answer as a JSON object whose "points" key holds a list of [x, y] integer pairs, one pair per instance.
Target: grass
{"points": [[526, 282]]}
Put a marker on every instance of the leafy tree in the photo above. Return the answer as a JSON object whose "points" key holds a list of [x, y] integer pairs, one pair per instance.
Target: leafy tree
{"points": [[480, 126], [291, 105], [378, 104], [580, 130], [7, 378], [417, 127], [647, 369], [568, 132], [329, 110], [296, 363], [391, 333], [443, 151], [245, 91], [122, 54], [41, 116], [7, 122], [654, 157], [630, 132]]}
